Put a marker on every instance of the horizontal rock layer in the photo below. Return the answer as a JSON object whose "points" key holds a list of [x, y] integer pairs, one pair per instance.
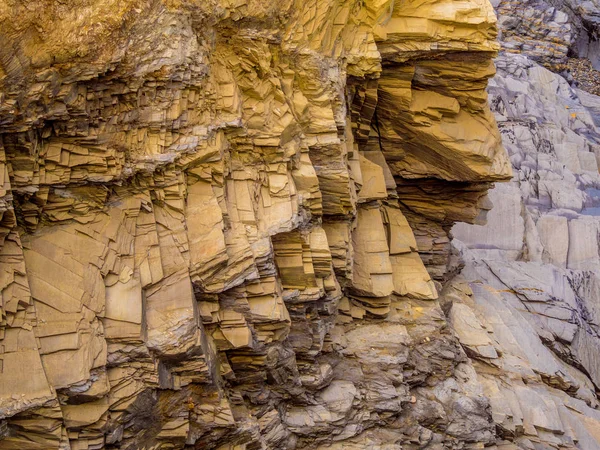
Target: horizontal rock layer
{"points": [[222, 223]]}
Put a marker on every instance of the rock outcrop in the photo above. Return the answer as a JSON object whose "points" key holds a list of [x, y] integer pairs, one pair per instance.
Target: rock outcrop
{"points": [[225, 224], [525, 306], [550, 31], [211, 219]]}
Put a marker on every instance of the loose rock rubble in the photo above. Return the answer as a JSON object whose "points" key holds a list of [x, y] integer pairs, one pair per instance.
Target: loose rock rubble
{"points": [[586, 77]]}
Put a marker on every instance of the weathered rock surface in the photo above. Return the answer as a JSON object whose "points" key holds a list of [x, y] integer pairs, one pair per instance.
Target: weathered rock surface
{"points": [[548, 31], [525, 306], [211, 219], [224, 225]]}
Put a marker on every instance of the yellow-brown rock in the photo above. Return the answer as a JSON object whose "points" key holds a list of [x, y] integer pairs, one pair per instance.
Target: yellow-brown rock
{"points": [[209, 211]]}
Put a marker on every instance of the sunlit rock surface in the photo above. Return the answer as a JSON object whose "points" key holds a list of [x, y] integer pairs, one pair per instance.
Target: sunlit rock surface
{"points": [[224, 225]]}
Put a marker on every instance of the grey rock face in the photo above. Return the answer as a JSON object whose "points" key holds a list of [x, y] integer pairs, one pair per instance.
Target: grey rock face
{"points": [[548, 30], [525, 306]]}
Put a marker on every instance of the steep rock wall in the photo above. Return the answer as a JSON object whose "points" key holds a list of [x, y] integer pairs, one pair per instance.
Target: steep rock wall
{"points": [[215, 217], [525, 306]]}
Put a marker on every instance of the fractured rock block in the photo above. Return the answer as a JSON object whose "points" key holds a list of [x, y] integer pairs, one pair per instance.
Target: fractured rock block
{"points": [[372, 273], [221, 224]]}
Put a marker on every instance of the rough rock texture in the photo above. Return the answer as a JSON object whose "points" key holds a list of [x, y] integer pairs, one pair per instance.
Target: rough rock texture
{"points": [[526, 304], [548, 31], [211, 214], [225, 224]]}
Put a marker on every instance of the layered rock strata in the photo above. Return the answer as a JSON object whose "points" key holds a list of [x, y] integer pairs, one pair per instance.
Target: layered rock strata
{"points": [[525, 306], [550, 31], [215, 218]]}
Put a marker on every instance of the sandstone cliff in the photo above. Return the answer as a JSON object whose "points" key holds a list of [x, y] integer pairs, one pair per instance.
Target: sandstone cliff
{"points": [[224, 225]]}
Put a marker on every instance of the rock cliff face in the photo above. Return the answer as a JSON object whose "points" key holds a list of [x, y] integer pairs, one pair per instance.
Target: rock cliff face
{"points": [[224, 225], [525, 306]]}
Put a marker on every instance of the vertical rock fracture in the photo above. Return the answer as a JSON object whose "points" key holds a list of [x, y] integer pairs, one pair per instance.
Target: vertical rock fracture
{"points": [[223, 224]]}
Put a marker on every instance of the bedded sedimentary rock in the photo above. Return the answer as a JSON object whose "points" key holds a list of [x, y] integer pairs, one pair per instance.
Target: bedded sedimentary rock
{"points": [[525, 306], [216, 217]]}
